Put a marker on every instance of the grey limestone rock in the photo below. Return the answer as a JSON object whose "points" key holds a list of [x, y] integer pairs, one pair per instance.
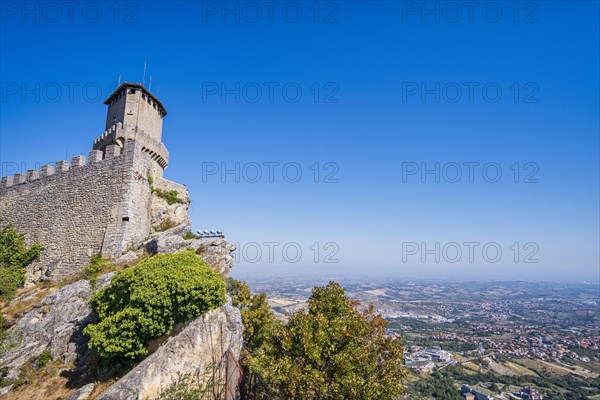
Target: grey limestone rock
{"points": [[55, 324], [208, 346], [82, 393], [216, 253]]}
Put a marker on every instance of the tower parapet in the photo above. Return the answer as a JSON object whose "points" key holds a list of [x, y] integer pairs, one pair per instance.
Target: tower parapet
{"points": [[116, 135]]}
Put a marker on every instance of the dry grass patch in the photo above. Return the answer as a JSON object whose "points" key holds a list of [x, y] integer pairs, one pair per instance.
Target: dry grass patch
{"points": [[519, 369], [575, 369], [551, 368], [56, 381], [50, 383], [500, 369], [45, 383], [472, 366], [16, 309]]}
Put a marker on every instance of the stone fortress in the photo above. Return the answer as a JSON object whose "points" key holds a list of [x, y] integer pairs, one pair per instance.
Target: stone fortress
{"points": [[102, 206]]}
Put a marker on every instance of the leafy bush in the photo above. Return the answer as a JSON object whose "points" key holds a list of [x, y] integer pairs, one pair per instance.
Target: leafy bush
{"points": [[93, 270], [146, 301], [189, 235], [14, 257], [258, 318], [44, 359], [239, 291], [172, 196], [3, 381]]}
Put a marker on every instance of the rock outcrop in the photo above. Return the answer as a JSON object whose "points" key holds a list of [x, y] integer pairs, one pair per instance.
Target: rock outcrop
{"points": [[176, 213], [56, 325], [83, 392], [216, 253], [204, 353]]}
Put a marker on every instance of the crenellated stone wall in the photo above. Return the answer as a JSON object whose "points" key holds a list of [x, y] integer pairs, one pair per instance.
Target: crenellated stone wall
{"points": [[79, 209], [119, 134]]}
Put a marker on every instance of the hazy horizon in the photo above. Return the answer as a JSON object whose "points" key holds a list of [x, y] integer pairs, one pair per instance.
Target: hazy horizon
{"points": [[249, 273]]}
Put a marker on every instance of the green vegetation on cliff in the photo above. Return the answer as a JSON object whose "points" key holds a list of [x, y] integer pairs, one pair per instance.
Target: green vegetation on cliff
{"points": [[329, 351], [14, 257], [171, 196], [146, 301], [93, 270]]}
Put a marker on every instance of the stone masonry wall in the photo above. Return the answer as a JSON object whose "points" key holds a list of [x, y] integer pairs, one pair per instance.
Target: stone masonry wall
{"points": [[78, 210]]}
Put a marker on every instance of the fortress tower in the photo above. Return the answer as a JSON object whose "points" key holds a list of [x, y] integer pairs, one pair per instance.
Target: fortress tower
{"points": [[135, 114]]}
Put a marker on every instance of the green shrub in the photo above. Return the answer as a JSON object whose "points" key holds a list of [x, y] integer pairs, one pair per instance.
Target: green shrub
{"points": [[95, 267], [172, 196], [189, 235], [14, 257], [44, 359], [146, 301], [151, 183], [3, 381]]}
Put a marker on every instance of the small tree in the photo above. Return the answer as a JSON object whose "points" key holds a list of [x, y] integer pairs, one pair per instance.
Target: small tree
{"points": [[259, 321], [14, 258], [330, 351]]}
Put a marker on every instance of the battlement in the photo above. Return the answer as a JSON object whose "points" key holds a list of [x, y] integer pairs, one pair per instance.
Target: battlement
{"points": [[118, 134], [109, 133], [63, 166], [81, 207]]}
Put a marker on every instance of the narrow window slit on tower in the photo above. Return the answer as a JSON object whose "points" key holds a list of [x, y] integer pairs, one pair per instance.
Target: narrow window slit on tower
{"points": [[125, 219]]}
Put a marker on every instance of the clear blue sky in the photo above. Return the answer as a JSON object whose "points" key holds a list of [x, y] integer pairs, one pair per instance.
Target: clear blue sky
{"points": [[387, 89]]}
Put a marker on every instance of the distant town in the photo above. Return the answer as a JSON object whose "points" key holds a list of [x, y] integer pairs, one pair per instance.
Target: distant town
{"points": [[478, 340]]}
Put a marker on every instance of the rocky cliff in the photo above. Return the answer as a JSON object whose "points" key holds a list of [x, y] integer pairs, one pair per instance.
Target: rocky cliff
{"points": [[203, 352]]}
